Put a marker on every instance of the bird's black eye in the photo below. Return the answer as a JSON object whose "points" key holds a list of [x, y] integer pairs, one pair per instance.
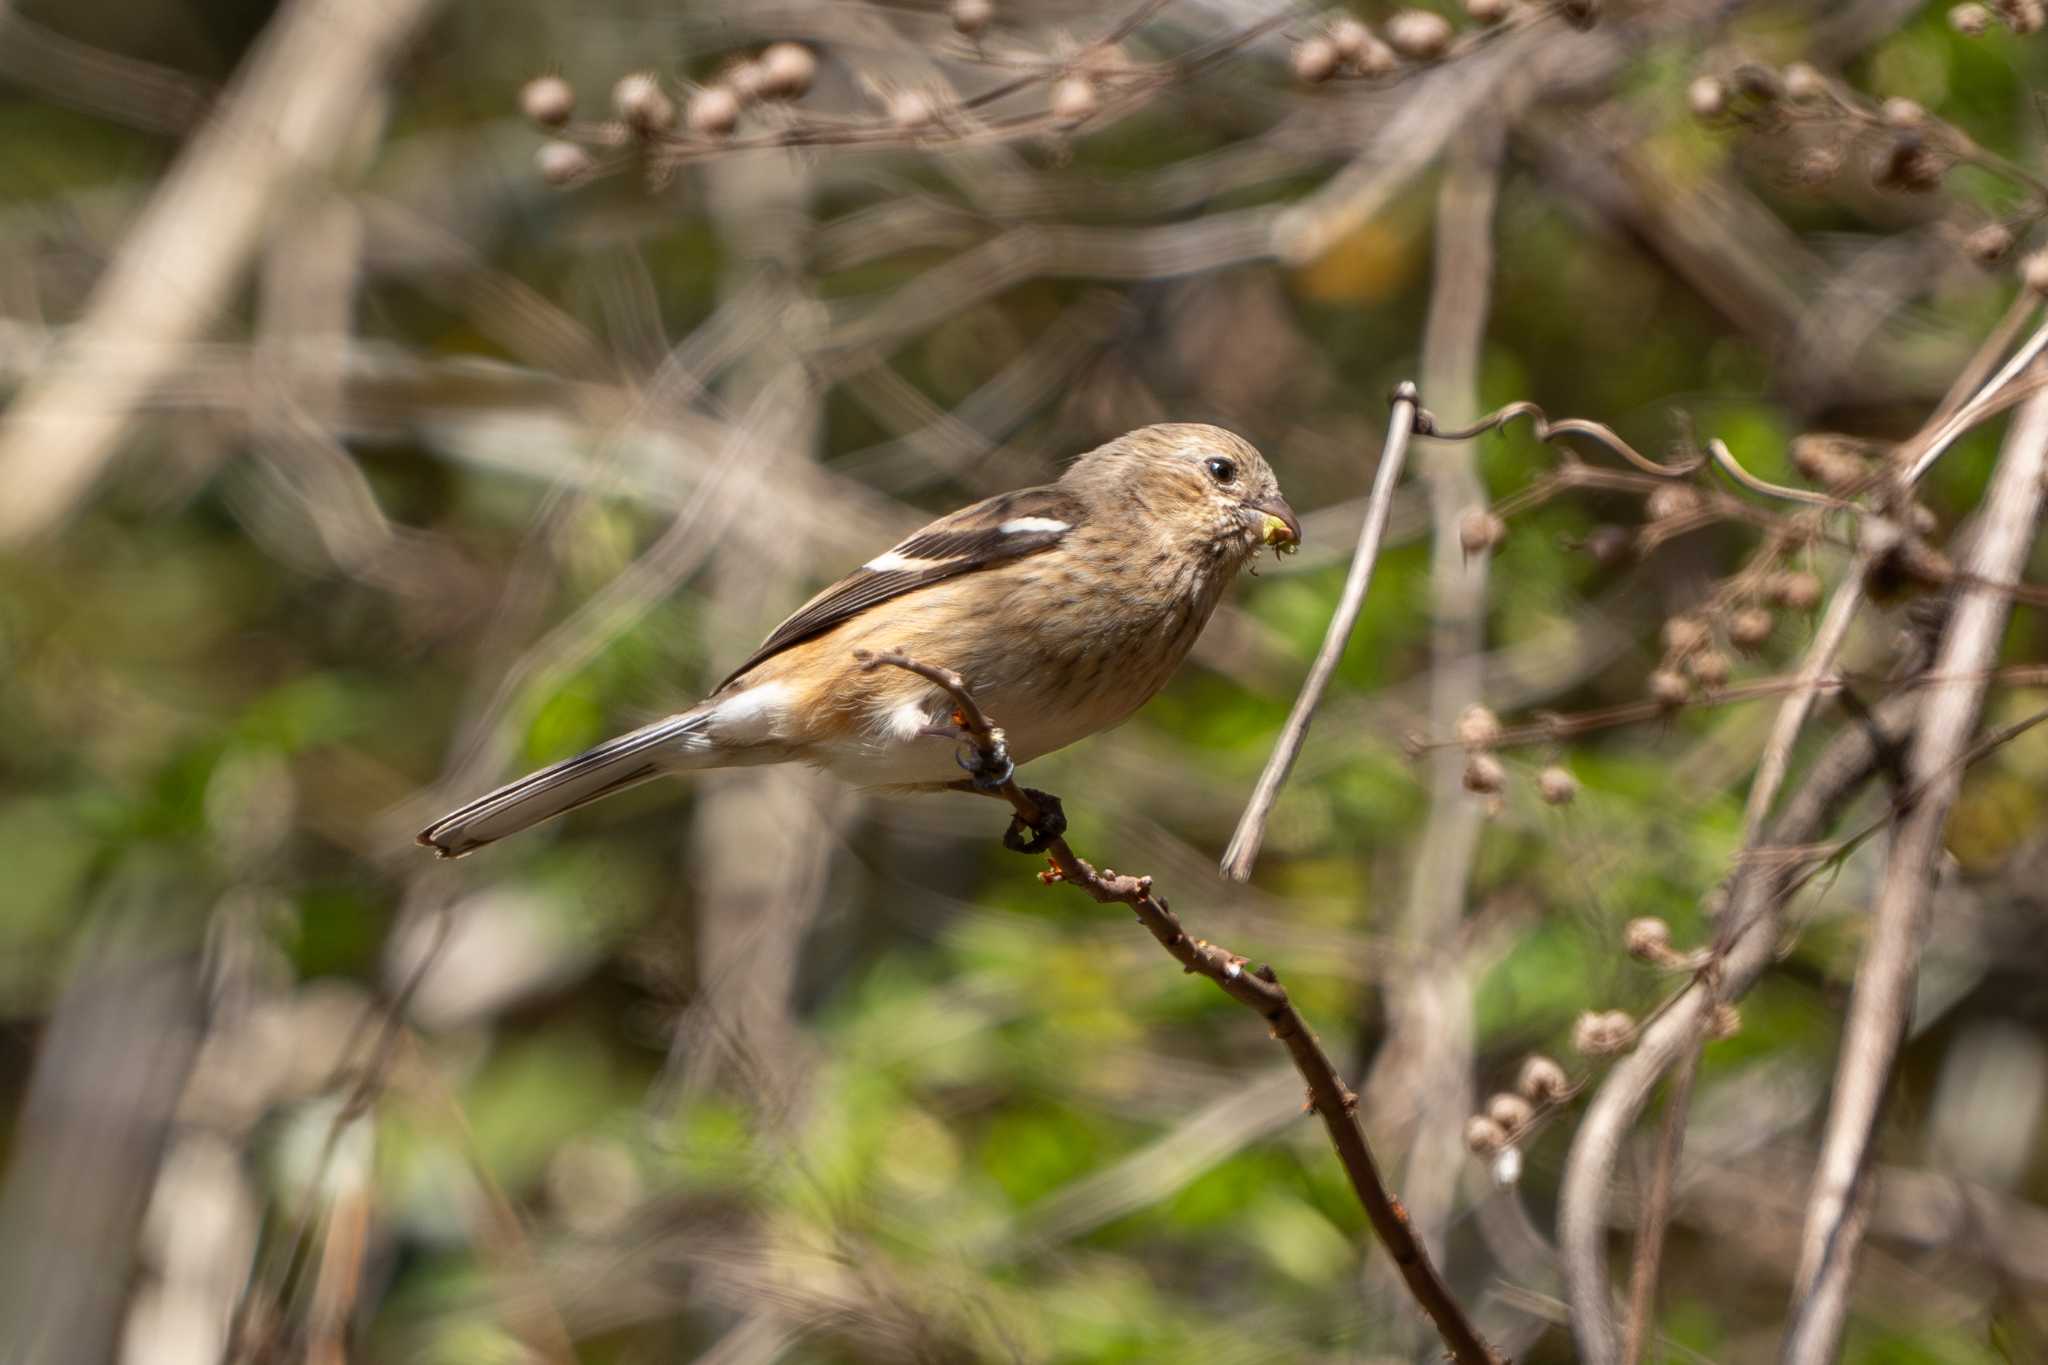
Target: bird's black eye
{"points": [[1221, 469]]}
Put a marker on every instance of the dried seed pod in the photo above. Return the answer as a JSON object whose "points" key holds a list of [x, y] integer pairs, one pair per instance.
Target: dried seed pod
{"points": [[972, 17], [1601, 1033], [1707, 97], [1817, 165], [1804, 84], [1989, 245], [2034, 272], [1484, 1137], [1903, 114], [1670, 501], [1486, 11], [1480, 530], [1648, 939], [1609, 544], [1510, 1111], [642, 104], [1557, 786], [1709, 668], [1684, 634], [1478, 728], [1484, 774], [1074, 99], [1799, 590], [1909, 565], [547, 100], [787, 70], [1828, 459], [2022, 16], [712, 111], [746, 79], [1908, 164], [1750, 628], [1542, 1080], [1418, 34], [1758, 82], [562, 163], [1972, 21], [1668, 688], [909, 110], [1348, 38], [1315, 60], [1375, 58]]}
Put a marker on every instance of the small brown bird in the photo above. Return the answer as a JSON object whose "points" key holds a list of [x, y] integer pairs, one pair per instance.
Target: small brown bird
{"points": [[1066, 607]]}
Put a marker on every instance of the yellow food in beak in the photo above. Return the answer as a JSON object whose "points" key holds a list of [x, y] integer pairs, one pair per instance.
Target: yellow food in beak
{"points": [[1278, 534]]}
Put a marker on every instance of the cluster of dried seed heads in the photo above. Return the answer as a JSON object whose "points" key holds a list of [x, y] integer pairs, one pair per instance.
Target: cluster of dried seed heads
{"points": [[643, 108], [1478, 733], [1509, 1115], [1347, 47]]}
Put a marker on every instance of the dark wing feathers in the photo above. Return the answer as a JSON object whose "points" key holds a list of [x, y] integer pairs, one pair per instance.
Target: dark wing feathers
{"points": [[967, 540]]}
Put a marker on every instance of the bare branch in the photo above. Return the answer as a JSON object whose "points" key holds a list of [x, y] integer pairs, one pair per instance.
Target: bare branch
{"points": [[1258, 989]]}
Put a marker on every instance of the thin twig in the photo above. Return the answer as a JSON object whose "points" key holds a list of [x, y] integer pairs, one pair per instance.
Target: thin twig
{"points": [[1549, 432], [1251, 826], [1978, 408], [1882, 1004], [1258, 989], [1732, 467], [1979, 367], [1656, 1214]]}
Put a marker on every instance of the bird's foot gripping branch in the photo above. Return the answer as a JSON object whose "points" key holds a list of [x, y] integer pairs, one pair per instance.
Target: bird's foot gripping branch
{"points": [[1039, 814]]}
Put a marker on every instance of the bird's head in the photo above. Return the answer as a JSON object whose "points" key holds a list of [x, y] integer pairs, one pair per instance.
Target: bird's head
{"points": [[1194, 482]]}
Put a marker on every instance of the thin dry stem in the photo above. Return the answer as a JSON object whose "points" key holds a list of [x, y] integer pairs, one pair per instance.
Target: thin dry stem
{"points": [[1251, 826]]}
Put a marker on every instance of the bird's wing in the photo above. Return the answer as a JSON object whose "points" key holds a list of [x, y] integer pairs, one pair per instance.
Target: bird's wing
{"points": [[995, 531]]}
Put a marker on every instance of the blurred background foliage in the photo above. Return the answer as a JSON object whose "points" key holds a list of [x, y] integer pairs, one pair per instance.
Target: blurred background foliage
{"points": [[753, 1068]]}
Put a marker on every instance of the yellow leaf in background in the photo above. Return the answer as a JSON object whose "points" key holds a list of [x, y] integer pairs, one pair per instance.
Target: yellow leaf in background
{"points": [[1364, 267]]}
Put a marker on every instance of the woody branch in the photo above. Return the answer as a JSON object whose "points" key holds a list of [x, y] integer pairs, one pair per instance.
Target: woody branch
{"points": [[1258, 989]]}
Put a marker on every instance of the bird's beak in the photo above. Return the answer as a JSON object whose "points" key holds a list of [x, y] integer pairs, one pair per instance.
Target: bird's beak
{"points": [[1279, 528]]}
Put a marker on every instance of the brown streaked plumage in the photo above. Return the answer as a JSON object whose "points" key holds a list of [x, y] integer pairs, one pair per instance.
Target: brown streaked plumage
{"points": [[1067, 607]]}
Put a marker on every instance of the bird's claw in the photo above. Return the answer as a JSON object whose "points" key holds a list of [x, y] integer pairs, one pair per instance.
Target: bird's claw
{"points": [[1052, 823], [988, 769]]}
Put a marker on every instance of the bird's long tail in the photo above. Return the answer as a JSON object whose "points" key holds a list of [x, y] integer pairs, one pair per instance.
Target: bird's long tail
{"points": [[612, 766]]}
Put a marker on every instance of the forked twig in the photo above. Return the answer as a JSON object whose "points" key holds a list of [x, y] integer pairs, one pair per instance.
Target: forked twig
{"points": [[1257, 988]]}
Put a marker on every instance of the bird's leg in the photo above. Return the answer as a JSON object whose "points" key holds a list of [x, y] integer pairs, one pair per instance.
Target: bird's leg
{"points": [[985, 757]]}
